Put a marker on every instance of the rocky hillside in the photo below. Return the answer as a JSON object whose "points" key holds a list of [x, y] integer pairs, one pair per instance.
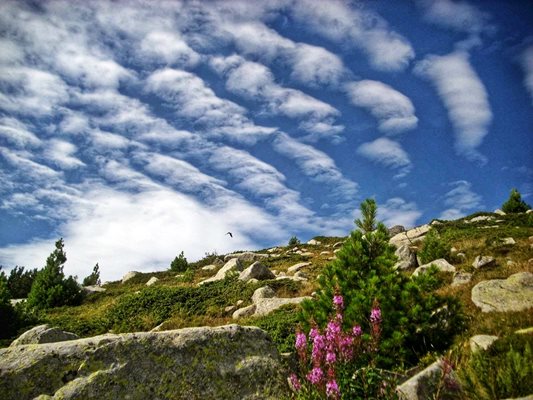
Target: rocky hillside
{"points": [[485, 260]]}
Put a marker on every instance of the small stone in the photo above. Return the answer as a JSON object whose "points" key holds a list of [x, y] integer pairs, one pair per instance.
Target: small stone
{"points": [[336, 251], [306, 254], [43, 334], [461, 278], [325, 253], [252, 281], [314, 242], [508, 241], [299, 266], [499, 212], [93, 289], [179, 276], [209, 267], [229, 309], [338, 244], [462, 256], [243, 312], [264, 292], [332, 258], [441, 264], [300, 274], [481, 342], [483, 262], [152, 281], [239, 302], [453, 250], [510, 263]]}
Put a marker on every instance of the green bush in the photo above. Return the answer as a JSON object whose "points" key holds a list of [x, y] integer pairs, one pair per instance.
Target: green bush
{"points": [[19, 282], [280, 326], [179, 264], [415, 319], [515, 204], [51, 288], [154, 305], [433, 248], [505, 370], [294, 241]]}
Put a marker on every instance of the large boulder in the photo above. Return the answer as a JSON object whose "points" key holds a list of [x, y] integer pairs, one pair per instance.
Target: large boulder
{"points": [[256, 271], [152, 281], [406, 257], [233, 265], [411, 236], [43, 334], [481, 342], [441, 264], [461, 278], [512, 294], [299, 266], [228, 362], [395, 230]]}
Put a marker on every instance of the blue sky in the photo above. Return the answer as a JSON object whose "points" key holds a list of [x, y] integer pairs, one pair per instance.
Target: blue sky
{"points": [[138, 129]]}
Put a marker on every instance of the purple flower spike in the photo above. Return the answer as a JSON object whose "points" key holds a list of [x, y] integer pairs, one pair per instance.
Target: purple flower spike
{"points": [[332, 389], [301, 341], [357, 331], [375, 316], [315, 376], [295, 382], [338, 301], [330, 357]]}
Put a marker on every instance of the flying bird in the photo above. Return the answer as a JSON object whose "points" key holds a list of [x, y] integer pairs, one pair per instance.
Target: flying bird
{"points": [[230, 234]]}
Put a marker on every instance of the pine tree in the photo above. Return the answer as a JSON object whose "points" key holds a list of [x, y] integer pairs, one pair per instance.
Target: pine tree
{"points": [[94, 278], [363, 273], [50, 287], [179, 264], [515, 204]]}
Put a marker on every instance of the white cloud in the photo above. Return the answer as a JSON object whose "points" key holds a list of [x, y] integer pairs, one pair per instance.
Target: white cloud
{"points": [[61, 153], [170, 48], [394, 111], [255, 81], [315, 66], [10, 53], [460, 200], [107, 140], [527, 65], [315, 164], [29, 169], [121, 226], [396, 211], [457, 15], [464, 96], [17, 133], [386, 49], [388, 153], [31, 91]]}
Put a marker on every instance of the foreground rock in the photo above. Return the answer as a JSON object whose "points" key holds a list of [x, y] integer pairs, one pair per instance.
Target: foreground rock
{"points": [[228, 362], [481, 342], [512, 294], [484, 262], [43, 334], [406, 257], [425, 384]]}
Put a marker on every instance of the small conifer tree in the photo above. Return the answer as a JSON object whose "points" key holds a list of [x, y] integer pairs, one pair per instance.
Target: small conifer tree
{"points": [[179, 264], [433, 248], [414, 319], [294, 241], [51, 288], [515, 204], [94, 278]]}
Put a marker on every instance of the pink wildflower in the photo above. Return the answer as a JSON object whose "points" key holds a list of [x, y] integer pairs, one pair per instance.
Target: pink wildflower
{"points": [[333, 331], [357, 331], [375, 315], [338, 301], [346, 347], [315, 376], [332, 389], [295, 382], [301, 341], [313, 332], [331, 357], [319, 344]]}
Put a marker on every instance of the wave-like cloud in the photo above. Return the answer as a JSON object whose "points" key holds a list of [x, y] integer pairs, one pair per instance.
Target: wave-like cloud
{"points": [[464, 96]]}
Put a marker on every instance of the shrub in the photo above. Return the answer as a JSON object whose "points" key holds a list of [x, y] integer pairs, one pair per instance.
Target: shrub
{"points": [[505, 370], [179, 264], [51, 288], [515, 204], [94, 278], [19, 282], [416, 320], [280, 326], [294, 241], [433, 248]]}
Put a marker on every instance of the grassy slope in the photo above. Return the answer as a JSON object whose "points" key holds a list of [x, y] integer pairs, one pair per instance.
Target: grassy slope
{"points": [[143, 310]]}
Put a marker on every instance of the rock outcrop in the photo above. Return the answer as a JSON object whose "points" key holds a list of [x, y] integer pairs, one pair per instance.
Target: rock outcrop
{"points": [[441, 264], [129, 275], [299, 266], [256, 271], [461, 278], [43, 334], [411, 236], [423, 385], [512, 294], [264, 302], [229, 362], [406, 257], [484, 262], [233, 265], [152, 281], [481, 342], [246, 256]]}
